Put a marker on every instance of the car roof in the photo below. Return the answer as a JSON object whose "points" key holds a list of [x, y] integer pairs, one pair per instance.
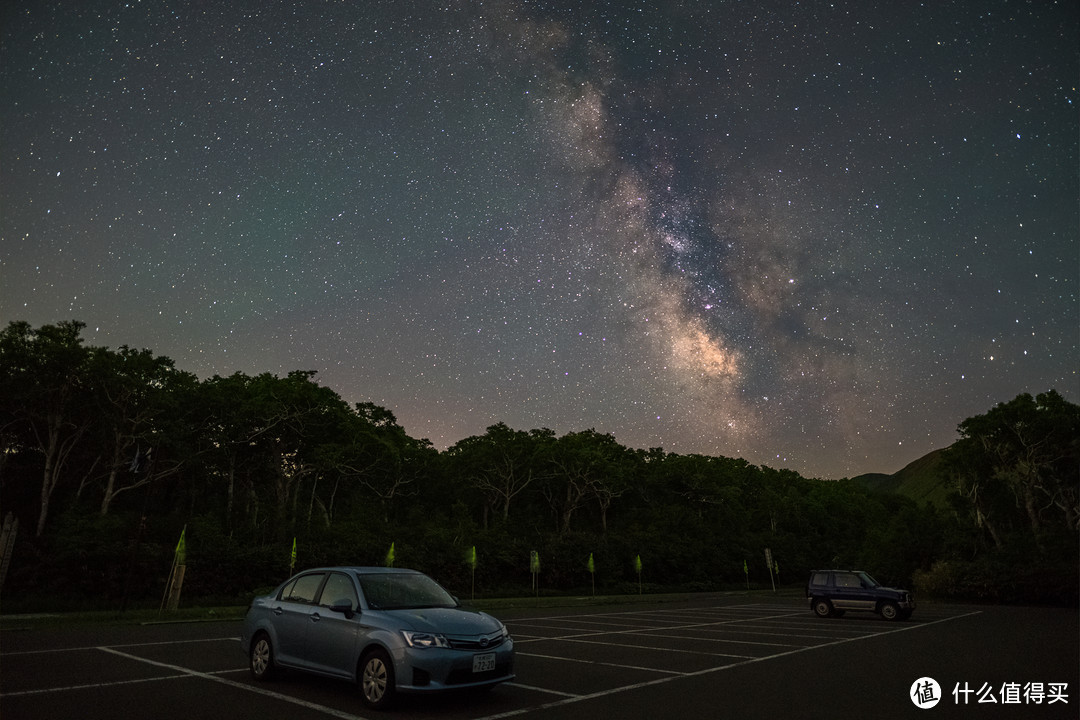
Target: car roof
{"points": [[838, 570], [366, 570]]}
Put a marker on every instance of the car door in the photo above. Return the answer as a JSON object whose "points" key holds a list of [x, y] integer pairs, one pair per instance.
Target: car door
{"points": [[332, 637], [850, 593], [291, 617]]}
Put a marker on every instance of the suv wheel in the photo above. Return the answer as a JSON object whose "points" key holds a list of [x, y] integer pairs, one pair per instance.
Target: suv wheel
{"points": [[823, 608], [889, 611]]}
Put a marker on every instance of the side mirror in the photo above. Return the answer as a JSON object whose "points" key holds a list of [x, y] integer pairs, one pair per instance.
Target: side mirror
{"points": [[345, 607]]}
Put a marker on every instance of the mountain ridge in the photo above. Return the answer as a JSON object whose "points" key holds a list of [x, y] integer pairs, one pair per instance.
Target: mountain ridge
{"points": [[922, 480]]}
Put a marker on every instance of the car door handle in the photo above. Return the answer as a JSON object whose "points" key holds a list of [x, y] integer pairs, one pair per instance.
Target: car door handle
{"points": [[278, 611], [315, 617]]}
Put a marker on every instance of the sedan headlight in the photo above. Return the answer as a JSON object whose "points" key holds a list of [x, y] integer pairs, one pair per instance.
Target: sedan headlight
{"points": [[424, 639]]}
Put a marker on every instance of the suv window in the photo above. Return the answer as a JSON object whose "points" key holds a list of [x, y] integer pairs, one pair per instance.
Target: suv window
{"points": [[820, 579], [303, 589], [850, 580]]}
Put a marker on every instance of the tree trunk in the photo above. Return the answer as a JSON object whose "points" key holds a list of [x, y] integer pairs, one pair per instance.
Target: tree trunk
{"points": [[110, 484], [230, 492], [983, 520], [106, 499], [55, 453], [1033, 514]]}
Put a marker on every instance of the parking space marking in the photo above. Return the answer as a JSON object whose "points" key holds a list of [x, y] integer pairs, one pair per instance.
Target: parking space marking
{"points": [[239, 686], [654, 648], [715, 625], [719, 668], [633, 631], [630, 631], [540, 689], [597, 662], [752, 631], [88, 648], [92, 686], [725, 640]]}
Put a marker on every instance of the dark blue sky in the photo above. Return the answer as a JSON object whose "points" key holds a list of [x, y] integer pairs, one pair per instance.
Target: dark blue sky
{"points": [[814, 235]]}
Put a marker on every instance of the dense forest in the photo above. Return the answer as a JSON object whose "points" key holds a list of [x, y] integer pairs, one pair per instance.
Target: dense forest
{"points": [[107, 455]]}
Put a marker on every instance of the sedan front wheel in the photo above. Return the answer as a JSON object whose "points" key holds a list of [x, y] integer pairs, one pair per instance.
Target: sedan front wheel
{"points": [[377, 680]]}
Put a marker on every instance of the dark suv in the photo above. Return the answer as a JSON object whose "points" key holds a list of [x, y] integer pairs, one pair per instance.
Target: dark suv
{"points": [[832, 592]]}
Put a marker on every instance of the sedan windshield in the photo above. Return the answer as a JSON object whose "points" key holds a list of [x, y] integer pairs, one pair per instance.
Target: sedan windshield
{"points": [[397, 591]]}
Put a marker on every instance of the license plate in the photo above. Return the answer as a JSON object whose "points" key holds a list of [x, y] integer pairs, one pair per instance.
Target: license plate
{"points": [[483, 663]]}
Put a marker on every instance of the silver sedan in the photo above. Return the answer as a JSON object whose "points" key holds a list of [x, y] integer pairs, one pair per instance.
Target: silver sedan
{"points": [[390, 630]]}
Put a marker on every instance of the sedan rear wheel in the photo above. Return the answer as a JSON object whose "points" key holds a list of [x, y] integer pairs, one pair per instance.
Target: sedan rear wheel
{"points": [[262, 657], [377, 679]]}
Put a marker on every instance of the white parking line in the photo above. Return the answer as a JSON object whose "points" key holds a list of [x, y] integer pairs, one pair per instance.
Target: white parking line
{"points": [[753, 631], [88, 648], [540, 689], [722, 640], [93, 686], [597, 662], [576, 636], [707, 671], [654, 648], [332, 712], [693, 612], [711, 622]]}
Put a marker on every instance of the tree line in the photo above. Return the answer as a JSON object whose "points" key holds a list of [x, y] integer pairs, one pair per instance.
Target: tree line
{"points": [[107, 455]]}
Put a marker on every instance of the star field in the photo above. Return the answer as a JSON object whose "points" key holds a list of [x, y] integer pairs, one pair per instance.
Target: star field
{"points": [[814, 235]]}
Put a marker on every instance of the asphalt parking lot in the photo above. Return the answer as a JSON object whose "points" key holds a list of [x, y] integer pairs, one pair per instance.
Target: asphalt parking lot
{"points": [[706, 657]]}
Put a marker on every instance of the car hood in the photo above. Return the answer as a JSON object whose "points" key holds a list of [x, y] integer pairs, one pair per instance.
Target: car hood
{"points": [[447, 621]]}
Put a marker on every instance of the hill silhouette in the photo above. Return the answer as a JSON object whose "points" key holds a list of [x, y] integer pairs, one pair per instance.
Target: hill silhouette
{"points": [[921, 480]]}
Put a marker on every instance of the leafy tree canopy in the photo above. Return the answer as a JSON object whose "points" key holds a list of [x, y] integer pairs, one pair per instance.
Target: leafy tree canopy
{"points": [[107, 454]]}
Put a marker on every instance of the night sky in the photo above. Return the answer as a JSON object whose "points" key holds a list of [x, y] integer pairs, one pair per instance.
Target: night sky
{"points": [[815, 235]]}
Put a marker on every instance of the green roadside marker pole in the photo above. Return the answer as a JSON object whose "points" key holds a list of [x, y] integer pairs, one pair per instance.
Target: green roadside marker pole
{"points": [[769, 564], [534, 570], [471, 560]]}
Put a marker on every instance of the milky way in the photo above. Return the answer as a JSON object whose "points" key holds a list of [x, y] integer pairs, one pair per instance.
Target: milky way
{"points": [[814, 235]]}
